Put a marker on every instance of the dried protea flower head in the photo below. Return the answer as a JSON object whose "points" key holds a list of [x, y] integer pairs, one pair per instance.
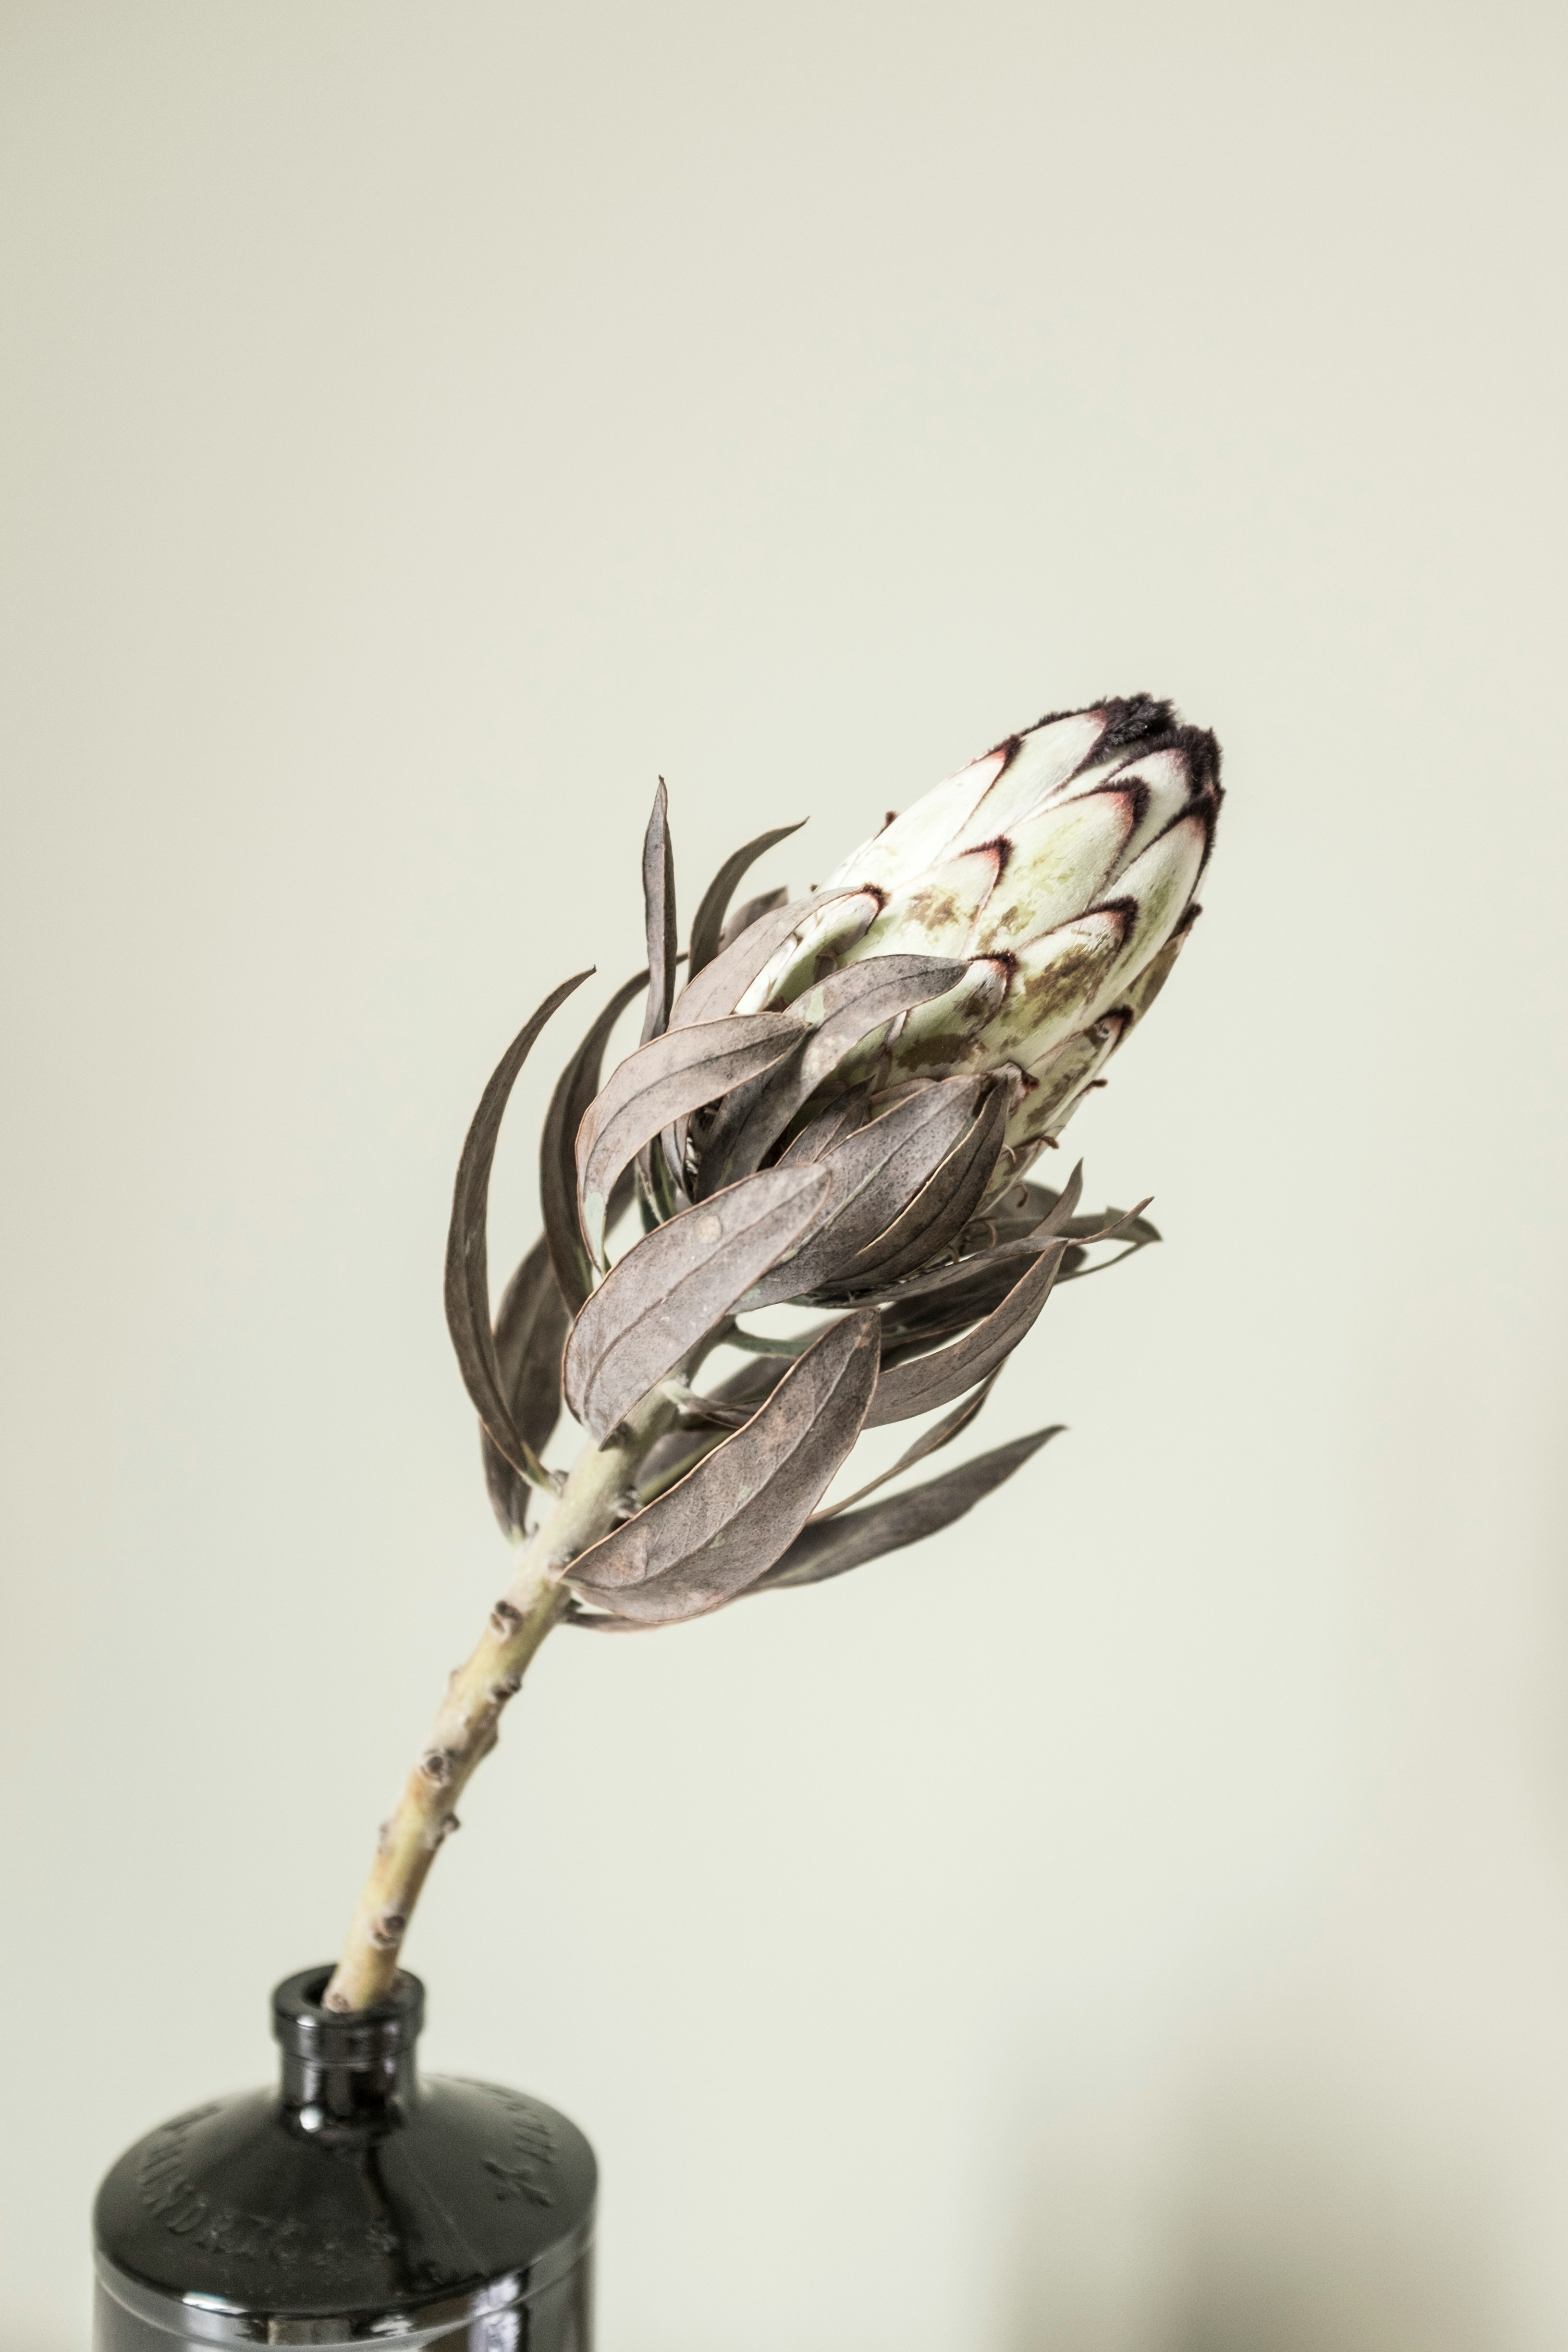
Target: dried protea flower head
{"points": [[1059, 870], [834, 1110]]}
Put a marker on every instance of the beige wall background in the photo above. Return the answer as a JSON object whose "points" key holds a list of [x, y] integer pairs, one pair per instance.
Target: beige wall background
{"points": [[1139, 1919]]}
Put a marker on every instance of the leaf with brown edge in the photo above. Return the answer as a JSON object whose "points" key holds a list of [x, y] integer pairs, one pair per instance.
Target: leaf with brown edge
{"points": [[839, 1012], [719, 985], [922, 1325], [1024, 1209], [1064, 1205], [663, 1081], [831, 1546], [928, 1306], [1075, 1271], [675, 1451], [931, 1441], [708, 923], [844, 1114], [924, 1382], [728, 1519], [1111, 1225], [574, 1091], [749, 911], [531, 1329], [672, 1287], [944, 1205], [918, 1314], [659, 909], [877, 1171], [468, 1270]]}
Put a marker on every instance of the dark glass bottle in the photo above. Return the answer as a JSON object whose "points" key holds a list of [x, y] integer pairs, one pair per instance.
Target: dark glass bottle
{"points": [[354, 2205]]}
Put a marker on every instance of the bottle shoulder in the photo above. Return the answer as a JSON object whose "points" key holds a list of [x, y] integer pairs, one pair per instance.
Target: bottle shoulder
{"points": [[254, 2208]]}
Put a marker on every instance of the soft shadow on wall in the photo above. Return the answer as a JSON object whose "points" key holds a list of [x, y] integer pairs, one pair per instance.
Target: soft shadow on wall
{"points": [[1280, 2225]]}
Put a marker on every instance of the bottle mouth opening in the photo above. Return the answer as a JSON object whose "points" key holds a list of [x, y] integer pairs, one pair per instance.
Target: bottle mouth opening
{"points": [[363, 2041]]}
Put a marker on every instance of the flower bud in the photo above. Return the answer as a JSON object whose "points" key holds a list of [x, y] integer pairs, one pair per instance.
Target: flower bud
{"points": [[1060, 868]]}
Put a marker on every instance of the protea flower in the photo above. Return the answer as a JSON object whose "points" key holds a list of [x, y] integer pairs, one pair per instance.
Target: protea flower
{"points": [[834, 1111], [1059, 870]]}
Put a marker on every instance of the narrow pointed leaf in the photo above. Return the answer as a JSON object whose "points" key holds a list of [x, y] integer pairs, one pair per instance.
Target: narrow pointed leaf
{"points": [[731, 1518], [659, 909], [530, 1332], [708, 923], [1075, 1272], [574, 1091], [876, 1171], [911, 1326], [842, 1116], [468, 1270], [675, 1453], [724, 1156], [675, 1284], [1111, 1225], [664, 1080], [750, 912], [658, 1180], [832, 1547], [928, 1307], [849, 1005], [839, 1012], [913, 1323], [926, 1381], [717, 988], [931, 1441], [1062, 1207], [944, 1205], [1022, 1210]]}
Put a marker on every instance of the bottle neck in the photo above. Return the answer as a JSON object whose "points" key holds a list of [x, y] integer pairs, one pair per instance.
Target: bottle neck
{"points": [[339, 2071]]}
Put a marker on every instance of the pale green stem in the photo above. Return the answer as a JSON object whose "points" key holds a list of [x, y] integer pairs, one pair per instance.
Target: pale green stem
{"points": [[597, 1495]]}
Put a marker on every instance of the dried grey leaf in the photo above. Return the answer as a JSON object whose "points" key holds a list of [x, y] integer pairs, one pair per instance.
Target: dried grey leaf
{"points": [[659, 909], [750, 912], [468, 1270], [924, 1382], [718, 1161], [1112, 1225], [910, 1326], [844, 1114], [931, 1441], [672, 1287], [832, 1547], [674, 1454], [1059, 1206], [530, 1328], [731, 1518], [1076, 1272], [1033, 1213], [1022, 1210], [574, 1091], [663, 1081], [717, 988], [944, 1205], [708, 923], [876, 1171], [930, 1305], [840, 1013]]}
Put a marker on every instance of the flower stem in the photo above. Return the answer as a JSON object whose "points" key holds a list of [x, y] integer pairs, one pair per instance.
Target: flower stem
{"points": [[600, 1490]]}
